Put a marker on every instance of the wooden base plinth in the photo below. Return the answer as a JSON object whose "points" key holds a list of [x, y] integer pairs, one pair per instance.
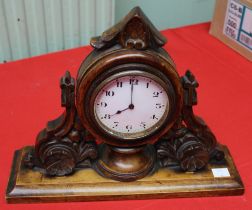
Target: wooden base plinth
{"points": [[27, 186]]}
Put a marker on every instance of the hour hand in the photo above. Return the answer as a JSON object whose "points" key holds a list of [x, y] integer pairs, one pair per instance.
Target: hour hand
{"points": [[131, 106]]}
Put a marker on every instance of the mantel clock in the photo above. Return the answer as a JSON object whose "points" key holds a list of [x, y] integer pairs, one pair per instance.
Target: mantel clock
{"points": [[129, 118]]}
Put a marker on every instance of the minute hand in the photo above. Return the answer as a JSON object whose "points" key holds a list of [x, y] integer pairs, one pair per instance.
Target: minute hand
{"points": [[131, 93]]}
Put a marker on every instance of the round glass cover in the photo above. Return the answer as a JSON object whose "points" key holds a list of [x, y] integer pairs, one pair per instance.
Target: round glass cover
{"points": [[131, 106]]}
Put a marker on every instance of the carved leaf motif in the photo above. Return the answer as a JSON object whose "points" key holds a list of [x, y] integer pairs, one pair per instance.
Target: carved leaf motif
{"points": [[165, 149], [87, 150], [165, 153]]}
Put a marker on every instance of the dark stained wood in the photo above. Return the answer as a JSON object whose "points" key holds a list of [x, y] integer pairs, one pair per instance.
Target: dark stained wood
{"points": [[29, 186], [183, 149], [190, 143], [134, 31], [194, 123], [62, 145], [133, 44], [125, 164]]}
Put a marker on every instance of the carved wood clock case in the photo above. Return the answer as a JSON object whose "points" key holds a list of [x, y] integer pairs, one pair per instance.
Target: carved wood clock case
{"points": [[128, 113]]}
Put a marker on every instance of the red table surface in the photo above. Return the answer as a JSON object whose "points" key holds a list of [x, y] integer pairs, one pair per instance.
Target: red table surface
{"points": [[30, 96]]}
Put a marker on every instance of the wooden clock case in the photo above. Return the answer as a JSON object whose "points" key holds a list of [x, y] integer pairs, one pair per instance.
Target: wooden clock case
{"points": [[73, 144]]}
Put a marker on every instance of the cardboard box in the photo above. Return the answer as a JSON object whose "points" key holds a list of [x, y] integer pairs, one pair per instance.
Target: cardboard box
{"points": [[232, 24]]}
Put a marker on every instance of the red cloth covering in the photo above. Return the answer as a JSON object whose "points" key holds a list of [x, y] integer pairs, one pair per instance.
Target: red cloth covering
{"points": [[30, 96]]}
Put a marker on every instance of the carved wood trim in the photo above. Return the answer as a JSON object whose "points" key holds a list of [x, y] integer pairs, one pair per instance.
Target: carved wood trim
{"points": [[134, 31], [190, 144], [62, 146], [194, 123]]}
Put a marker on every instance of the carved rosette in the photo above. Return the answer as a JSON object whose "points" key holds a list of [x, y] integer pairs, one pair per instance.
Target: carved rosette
{"points": [[184, 149], [63, 145]]}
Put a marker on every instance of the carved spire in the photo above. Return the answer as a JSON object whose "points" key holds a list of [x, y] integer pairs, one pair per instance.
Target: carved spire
{"points": [[134, 31]]}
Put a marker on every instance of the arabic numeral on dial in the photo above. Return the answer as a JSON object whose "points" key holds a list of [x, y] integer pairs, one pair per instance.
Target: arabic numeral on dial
{"points": [[134, 81], [109, 93], [143, 125], [106, 116], [154, 117], [119, 84], [129, 127], [156, 94], [102, 104], [115, 124], [159, 106]]}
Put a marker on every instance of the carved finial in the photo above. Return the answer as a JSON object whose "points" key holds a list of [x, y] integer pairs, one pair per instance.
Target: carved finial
{"points": [[134, 31], [190, 84], [67, 85]]}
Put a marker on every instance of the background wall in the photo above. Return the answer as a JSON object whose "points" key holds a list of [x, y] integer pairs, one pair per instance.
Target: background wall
{"points": [[169, 13], [34, 27]]}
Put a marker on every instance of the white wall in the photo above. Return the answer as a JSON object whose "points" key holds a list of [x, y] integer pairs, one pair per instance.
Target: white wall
{"points": [[34, 27]]}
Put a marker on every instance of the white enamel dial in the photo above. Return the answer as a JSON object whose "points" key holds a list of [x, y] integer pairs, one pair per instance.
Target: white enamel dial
{"points": [[131, 106]]}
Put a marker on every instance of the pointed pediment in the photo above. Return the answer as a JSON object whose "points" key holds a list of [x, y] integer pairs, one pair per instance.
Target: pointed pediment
{"points": [[134, 31]]}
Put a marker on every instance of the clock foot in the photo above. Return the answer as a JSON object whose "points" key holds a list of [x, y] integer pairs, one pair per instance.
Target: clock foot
{"points": [[125, 164]]}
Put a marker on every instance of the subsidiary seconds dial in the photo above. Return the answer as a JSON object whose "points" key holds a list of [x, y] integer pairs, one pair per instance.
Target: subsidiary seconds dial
{"points": [[131, 106]]}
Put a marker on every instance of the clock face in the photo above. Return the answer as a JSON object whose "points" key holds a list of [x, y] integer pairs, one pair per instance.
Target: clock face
{"points": [[131, 106]]}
